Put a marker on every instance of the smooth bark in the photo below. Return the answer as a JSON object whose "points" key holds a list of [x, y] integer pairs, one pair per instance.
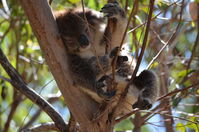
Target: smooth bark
{"points": [[45, 28]]}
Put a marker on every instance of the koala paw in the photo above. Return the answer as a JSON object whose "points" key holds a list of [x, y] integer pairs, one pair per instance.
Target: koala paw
{"points": [[104, 79], [106, 95], [102, 88], [120, 59], [142, 104], [112, 10]]}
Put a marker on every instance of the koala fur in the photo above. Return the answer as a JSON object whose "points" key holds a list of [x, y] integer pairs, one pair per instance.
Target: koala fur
{"points": [[85, 44], [89, 63]]}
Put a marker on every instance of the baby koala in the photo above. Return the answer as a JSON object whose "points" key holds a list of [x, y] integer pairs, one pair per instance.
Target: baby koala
{"points": [[142, 92], [148, 85]]}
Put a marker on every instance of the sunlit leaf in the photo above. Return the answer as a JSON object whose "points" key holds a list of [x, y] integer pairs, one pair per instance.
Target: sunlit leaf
{"points": [[193, 126], [180, 127], [159, 2], [74, 1], [154, 65]]}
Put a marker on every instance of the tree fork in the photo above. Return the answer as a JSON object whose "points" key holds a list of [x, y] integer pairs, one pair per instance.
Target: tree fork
{"points": [[44, 26]]}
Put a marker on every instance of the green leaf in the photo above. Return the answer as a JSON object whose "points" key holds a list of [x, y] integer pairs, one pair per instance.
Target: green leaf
{"points": [[124, 125], [198, 91], [159, 2], [180, 127], [193, 126], [154, 65], [74, 1]]}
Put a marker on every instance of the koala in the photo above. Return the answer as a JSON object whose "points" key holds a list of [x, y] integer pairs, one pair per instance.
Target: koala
{"points": [[148, 85], [83, 36], [144, 87], [142, 92]]}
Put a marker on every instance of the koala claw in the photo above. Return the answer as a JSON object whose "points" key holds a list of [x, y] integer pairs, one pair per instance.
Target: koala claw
{"points": [[104, 78], [120, 59], [106, 95], [102, 89], [142, 104], [112, 9]]}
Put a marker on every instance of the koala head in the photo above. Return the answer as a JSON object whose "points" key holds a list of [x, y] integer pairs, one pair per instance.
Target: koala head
{"points": [[74, 31]]}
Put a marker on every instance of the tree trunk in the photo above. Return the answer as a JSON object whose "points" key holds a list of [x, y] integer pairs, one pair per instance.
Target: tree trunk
{"points": [[45, 28]]}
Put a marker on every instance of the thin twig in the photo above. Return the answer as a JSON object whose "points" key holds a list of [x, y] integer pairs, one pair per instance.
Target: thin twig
{"points": [[16, 101], [155, 124], [159, 107], [164, 108], [162, 113], [126, 116], [177, 91], [193, 51], [33, 104], [49, 126], [158, 36], [126, 6], [122, 41], [170, 39], [187, 114], [114, 63], [151, 6], [153, 18], [51, 100], [12, 23], [5, 79]]}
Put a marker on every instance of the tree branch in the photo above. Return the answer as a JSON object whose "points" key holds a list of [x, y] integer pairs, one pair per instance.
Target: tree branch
{"points": [[52, 99], [20, 85], [177, 91], [49, 126], [16, 101], [45, 28]]}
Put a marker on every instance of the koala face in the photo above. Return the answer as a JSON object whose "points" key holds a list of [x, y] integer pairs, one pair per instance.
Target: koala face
{"points": [[76, 43], [74, 32]]}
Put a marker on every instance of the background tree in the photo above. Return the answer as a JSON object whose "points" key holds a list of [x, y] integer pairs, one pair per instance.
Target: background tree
{"points": [[172, 46]]}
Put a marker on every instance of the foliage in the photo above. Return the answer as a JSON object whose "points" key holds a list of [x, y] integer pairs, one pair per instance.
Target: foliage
{"points": [[177, 66]]}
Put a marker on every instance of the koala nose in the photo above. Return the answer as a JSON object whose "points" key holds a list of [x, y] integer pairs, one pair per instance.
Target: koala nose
{"points": [[83, 40]]}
